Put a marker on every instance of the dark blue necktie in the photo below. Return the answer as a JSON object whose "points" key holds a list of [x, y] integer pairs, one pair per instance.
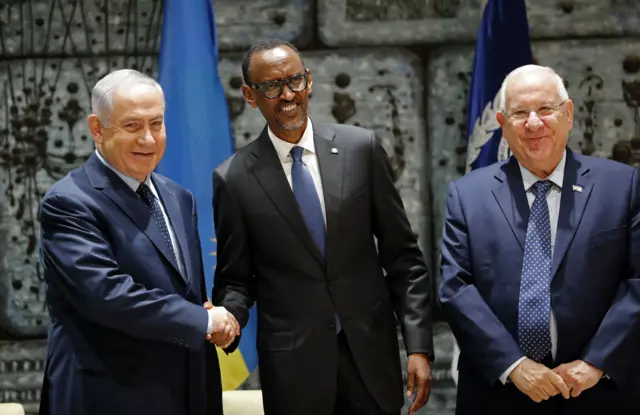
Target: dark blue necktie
{"points": [[156, 213], [534, 311], [309, 202]]}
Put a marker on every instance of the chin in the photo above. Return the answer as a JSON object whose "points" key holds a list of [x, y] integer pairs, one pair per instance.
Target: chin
{"points": [[292, 126]]}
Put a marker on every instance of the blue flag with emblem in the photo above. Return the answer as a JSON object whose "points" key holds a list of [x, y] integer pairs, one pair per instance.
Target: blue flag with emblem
{"points": [[502, 45], [199, 139]]}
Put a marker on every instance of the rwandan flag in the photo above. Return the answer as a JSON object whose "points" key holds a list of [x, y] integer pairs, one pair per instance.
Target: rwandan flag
{"points": [[199, 139]]}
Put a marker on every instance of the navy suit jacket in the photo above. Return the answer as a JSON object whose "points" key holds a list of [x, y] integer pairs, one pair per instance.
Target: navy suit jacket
{"points": [[595, 286], [127, 332]]}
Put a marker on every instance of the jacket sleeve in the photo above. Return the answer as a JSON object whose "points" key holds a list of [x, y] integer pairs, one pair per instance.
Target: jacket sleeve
{"points": [[614, 348], [401, 257], [482, 337]]}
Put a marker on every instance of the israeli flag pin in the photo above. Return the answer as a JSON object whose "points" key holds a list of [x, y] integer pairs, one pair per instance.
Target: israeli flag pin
{"points": [[577, 188], [334, 150]]}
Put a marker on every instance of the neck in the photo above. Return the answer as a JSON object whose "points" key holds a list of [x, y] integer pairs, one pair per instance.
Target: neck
{"points": [[542, 172]]}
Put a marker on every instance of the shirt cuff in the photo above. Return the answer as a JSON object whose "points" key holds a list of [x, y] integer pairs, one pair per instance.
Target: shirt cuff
{"points": [[209, 323], [504, 378]]}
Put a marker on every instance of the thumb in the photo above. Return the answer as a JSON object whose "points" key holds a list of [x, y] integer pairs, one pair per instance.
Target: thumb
{"points": [[410, 383]]}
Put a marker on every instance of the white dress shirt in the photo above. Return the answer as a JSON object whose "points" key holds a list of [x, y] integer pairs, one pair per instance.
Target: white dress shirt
{"points": [[553, 201], [309, 158]]}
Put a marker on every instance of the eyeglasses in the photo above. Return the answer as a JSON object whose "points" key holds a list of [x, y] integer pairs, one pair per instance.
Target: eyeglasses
{"points": [[273, 89], [523, 114]]}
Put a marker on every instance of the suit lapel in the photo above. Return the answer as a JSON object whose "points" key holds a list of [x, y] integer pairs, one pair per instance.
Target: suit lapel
{"points": [[331, 162], [176, 219], [269, 173], [101, 177], [572, 206], [512, 199]]}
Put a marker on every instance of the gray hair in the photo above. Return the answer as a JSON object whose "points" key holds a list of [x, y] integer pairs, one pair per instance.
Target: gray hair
{"points": [[562, 90], [102, 93]]}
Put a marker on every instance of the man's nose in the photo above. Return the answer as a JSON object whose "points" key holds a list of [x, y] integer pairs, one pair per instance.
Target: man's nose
{"points": [[287, 93], [148, 137], [533, 122]]}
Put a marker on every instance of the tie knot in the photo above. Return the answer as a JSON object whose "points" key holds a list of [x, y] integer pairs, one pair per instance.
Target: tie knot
{"points": [[540, 188], [296, 153], [144, 192]]}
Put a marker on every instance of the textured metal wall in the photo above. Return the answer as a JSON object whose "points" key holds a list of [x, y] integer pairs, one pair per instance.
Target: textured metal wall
{"points": [[400, 67]]}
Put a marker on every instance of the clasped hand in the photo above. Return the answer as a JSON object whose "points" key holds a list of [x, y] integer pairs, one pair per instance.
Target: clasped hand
{"points": [[540, 383], [225, 326]]}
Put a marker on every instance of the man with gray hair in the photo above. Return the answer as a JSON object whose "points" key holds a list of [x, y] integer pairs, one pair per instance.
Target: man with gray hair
{"points": [[123, 265], [541, 267]]}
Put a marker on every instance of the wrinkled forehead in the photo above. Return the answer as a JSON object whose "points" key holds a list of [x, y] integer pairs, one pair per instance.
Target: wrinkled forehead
{"points": [[276, 63], [532, 89], [143, 100]]}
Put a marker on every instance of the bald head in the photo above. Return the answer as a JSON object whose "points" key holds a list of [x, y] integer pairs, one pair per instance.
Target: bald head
{"points": [[532, 75]]}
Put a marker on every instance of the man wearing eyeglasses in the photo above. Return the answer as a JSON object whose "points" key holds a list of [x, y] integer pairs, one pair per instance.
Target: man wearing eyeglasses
{"points": [[541, 265], [297, 212]]}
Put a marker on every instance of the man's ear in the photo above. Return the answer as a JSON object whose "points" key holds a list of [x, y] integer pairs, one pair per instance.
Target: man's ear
{"points": [[247, 92], [95, 127]]}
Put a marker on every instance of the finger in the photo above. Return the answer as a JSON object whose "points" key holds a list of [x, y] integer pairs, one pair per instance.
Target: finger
{"points": [[534, 396], [543, 391], [417, 402], [560, 385], [410, 382], [576, 391], [235, 323], [207, 305], [424, 390], [545, 388]]}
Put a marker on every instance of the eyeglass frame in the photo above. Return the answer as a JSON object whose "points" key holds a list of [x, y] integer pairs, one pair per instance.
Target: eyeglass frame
{"points": [[528, 111], [282, 82]]}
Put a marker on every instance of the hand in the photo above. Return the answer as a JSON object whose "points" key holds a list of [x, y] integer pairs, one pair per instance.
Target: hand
{"points": [[579, 376], [537, 381], [419, 375], [225, 326]]}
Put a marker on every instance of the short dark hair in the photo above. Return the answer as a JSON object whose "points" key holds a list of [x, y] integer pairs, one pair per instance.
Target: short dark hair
{"points": [[263, 46]]}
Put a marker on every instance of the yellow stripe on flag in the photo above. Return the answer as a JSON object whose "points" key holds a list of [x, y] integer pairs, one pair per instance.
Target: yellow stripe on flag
{"points": [[233, 369]]}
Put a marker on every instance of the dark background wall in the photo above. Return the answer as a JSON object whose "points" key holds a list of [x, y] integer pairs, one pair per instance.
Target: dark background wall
{"points": [[400, 67]]}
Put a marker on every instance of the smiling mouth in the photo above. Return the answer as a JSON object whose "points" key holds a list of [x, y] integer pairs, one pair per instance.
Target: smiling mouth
{"points": [[140, 154], [289, 108]]}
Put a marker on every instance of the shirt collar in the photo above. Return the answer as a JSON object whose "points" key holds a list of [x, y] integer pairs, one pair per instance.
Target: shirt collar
{"points": [[556, 177], [283, 148], [130, 181]]}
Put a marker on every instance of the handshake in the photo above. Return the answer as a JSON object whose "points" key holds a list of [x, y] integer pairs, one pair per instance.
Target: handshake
{"points": [[224, 326]]}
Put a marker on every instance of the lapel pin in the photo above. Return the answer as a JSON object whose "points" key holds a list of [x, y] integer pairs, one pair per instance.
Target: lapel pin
{"points": [[334, 150], [577, 188]]}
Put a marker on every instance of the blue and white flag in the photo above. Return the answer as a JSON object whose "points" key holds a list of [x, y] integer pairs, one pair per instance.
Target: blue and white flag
{"points": [[502, 45]]}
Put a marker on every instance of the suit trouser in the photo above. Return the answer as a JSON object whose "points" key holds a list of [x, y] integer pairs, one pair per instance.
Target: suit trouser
{"points": [[353, 396]]}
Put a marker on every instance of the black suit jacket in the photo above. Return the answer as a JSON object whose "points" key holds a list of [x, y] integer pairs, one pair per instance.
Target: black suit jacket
{"points": [[266, 254], [127, 332]]}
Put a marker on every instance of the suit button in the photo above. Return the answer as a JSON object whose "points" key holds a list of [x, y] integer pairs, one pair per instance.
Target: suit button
{"points": [[332, 325]]}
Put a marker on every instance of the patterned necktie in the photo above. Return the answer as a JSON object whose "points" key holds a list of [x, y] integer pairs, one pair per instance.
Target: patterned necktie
{"points": [[307, 197], [154, 208], [534, 311]]}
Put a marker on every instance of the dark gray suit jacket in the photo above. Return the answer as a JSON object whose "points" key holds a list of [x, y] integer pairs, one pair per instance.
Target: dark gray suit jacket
{"points": [[266, 254]]}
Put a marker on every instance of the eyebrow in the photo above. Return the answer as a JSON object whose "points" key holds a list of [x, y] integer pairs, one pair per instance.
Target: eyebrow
{"points": [[280, 79]]}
